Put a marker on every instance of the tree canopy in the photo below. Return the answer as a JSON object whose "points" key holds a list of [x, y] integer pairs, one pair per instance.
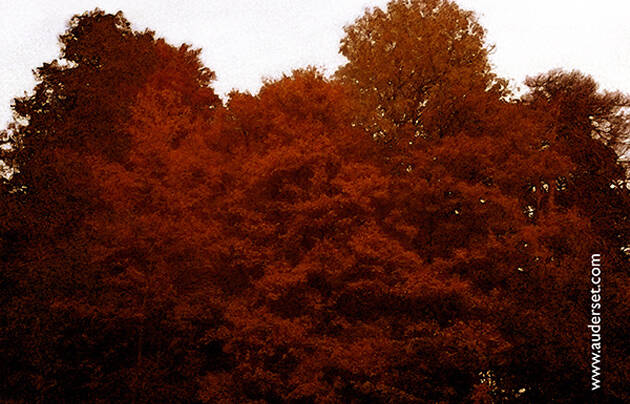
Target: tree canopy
{"points": [[405, 231]]}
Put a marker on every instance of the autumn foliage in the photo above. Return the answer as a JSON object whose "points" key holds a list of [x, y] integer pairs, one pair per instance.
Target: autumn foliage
{"points": [[407, 231]]}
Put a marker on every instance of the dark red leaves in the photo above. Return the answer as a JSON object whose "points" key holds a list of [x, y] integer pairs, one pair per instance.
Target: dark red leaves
{"points": [[399, 233]]}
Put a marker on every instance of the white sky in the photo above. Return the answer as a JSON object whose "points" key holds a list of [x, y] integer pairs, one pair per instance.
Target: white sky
{"points": [[245, 40]]}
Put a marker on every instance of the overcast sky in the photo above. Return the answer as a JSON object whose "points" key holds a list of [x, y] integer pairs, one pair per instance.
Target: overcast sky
{"points": [[245, 40]]}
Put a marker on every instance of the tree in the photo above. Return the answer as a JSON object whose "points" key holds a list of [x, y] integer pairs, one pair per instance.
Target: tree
{"points": [[590, 127], [85, 289], [420, 70], [401, 232], [422, 65], [329, 298]]}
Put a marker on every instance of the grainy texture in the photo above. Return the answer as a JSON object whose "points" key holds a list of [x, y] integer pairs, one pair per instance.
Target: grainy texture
{"points": [[405, 231]]}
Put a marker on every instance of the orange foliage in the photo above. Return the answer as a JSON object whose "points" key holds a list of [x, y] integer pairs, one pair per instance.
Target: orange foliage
{"points": [[401, 232]]}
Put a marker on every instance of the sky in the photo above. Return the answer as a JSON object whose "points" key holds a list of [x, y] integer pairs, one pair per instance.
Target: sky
{"points": [[244, 41]]}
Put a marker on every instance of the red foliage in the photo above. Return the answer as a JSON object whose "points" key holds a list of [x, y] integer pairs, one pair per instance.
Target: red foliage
{"points": [[402, 232]]}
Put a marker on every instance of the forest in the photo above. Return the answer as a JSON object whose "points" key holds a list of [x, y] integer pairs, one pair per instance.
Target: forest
{"points": [[406, 230]]}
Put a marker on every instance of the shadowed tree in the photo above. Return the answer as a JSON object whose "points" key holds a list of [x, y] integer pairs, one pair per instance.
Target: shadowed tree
{"points": [[590, 127], [99, 300]]}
